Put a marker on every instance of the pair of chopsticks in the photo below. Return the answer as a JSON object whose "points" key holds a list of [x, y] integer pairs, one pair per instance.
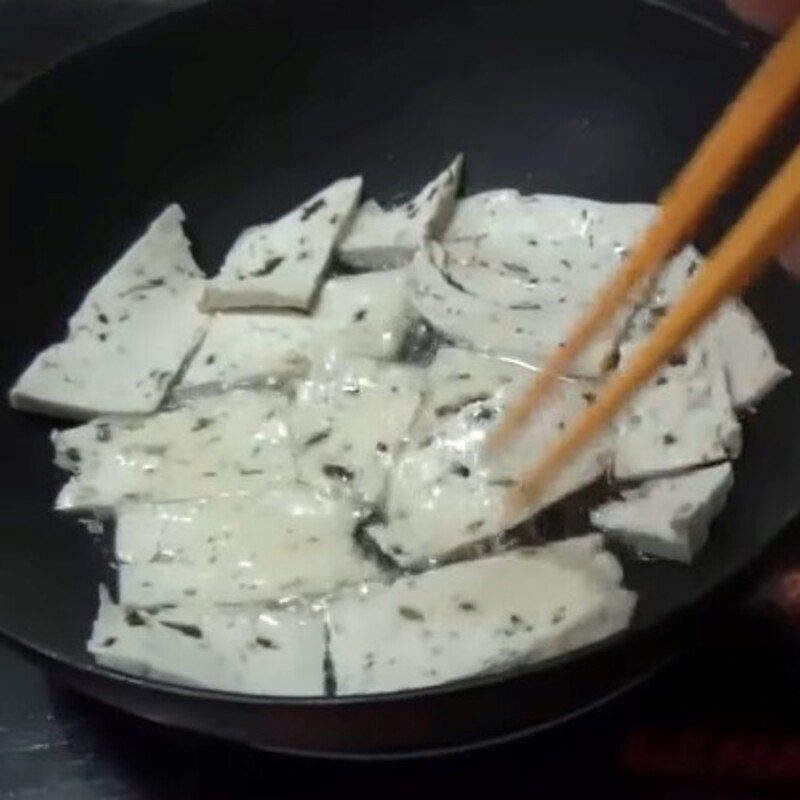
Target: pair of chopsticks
{"points": [[737, 260]]}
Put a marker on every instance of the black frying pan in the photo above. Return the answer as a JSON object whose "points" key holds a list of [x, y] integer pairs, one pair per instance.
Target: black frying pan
{"points": [[240, 109]]}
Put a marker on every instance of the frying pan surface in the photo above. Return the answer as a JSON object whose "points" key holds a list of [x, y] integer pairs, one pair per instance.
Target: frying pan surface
{"points": [[240, 109]]}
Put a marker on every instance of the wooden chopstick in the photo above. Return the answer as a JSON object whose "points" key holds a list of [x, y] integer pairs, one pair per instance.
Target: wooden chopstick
{"points": [[749, 119], [761, 232]]}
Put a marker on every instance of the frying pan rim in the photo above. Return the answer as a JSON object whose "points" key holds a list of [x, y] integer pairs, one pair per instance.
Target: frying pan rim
{"points": [[742, 39]]}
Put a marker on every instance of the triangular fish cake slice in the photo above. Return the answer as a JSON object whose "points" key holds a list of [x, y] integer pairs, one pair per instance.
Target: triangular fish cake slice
{"points": [[281, 264], [384, 238], [130, 335], [667, 517], [735, 338]]}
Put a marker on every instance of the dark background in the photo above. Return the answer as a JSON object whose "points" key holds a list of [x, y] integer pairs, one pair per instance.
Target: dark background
{"points": [[721, 722]]}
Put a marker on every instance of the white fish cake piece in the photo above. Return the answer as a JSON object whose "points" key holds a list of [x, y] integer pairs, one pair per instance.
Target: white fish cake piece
{"points": [[458, 377], [668, 517], [476, 617], [365, 315], [243, 348], [447, 492], [362, 314], [236, 442], [350, 419], [535, 264], [281, 263], [522, 331], [287, 541], [551, 216], [130, 335], [683, 418], [441, 497], [265, 653], [739, 343], [733, 336], [384, 238]]}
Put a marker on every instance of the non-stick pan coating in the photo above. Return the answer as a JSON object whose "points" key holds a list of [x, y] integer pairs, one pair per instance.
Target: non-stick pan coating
{"points": [[239, 109]]}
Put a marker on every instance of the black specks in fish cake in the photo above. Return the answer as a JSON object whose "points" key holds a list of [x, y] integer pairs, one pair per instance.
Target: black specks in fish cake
{"points": [[153, 283], [448, 278], [566, 263], [267, 644], [192, 631], [412, 614], [316, 438], [270, 265], [102, 432], [461, 470], [134, 618], [334, 220], [102, 318], [677, 359], [312, 208], [73, 454], [558, 615], [661, 380], [338, 472], [432, 193], [360, 315], [382, 447], [519, 269], [448, 409], [669, 439], [201, 423], [210, 358], [484, 414], [589, 397], [467, 605], [246, 472], [684, 510], [160, 377]]}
